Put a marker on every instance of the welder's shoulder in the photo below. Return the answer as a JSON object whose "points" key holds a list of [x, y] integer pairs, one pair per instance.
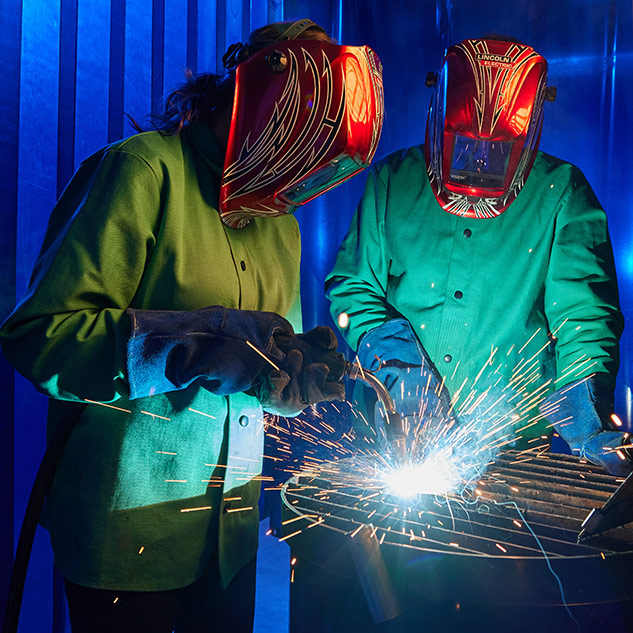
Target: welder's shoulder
{"points": [[564, 185], [138, 156], [554, 169], [154, 148]]}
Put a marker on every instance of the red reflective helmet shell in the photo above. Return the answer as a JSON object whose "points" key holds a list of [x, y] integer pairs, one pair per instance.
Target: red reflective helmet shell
{"points": [[307, 115], [484, 125]]}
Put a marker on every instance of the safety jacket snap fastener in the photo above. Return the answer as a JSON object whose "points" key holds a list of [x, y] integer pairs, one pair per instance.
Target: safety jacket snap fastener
{"points": [[467, 232], [243, 420], [448, 358], [458, 294]]}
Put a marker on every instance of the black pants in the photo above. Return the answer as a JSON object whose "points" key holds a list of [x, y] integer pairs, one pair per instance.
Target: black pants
{"points": [[203, 607]]}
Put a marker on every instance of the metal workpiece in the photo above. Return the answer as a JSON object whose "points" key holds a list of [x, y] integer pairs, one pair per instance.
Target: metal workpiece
{"points": [[505, 548], [373, 575], [616, 511]]}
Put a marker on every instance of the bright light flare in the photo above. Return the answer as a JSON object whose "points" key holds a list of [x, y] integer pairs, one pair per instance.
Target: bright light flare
{"points": [[433, 476], [616, 420]]}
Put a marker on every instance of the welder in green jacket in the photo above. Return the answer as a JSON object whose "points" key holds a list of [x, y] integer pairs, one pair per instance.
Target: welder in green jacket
{"points": [[479, 272], [160, 312]]}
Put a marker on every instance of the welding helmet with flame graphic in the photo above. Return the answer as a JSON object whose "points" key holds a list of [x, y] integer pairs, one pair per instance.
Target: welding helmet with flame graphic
{"points": [[484, 125], [307, 115]]}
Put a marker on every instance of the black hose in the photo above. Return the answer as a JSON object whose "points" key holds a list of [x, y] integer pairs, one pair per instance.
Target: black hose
{"points": [[42, 483]]}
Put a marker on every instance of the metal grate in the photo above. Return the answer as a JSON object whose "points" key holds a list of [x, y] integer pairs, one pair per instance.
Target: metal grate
{"points": [[522, 517]]}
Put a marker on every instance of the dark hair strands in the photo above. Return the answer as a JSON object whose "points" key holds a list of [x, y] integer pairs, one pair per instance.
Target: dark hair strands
{"points": [[194, 100], [201, 96]]}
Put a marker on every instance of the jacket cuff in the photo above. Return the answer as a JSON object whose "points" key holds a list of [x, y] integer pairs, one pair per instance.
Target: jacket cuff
{"points": [[573, 411], [393, 340]]}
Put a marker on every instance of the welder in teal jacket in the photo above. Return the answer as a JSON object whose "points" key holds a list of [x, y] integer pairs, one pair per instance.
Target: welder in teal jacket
{"points": [[161, 317], [460, 269]]}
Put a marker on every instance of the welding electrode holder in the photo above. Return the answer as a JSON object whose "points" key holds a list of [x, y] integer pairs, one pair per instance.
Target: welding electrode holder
{"points": [[339, 367]]}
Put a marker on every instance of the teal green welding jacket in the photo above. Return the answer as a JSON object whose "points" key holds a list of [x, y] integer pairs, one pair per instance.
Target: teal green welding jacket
{"points": [[148, 488], [512, 307]]}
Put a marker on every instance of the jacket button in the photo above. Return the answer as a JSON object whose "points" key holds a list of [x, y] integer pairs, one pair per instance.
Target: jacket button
{"points": [[467, 232], [448, 358], [458, 294], [243, 265], [243, 420]]}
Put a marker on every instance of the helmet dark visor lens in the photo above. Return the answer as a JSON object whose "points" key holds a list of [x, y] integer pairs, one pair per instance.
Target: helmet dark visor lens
{"points": [[321, 180], [478, 163]]}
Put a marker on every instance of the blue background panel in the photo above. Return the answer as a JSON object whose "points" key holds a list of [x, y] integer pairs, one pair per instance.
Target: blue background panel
{"points": [[71, 70], [93, 69]]}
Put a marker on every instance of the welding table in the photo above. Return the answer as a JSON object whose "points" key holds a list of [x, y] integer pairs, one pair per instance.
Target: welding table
{"points": [[474, 566]]}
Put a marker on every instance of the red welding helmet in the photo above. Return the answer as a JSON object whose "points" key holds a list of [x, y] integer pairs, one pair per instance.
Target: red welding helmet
{"points": [[484, 125], [307, 115]]}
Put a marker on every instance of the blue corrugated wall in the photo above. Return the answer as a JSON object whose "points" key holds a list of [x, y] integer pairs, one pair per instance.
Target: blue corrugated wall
{"points": [[70, 70]]}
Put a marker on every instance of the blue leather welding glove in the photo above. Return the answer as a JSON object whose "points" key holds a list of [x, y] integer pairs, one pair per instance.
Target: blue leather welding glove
{"points": [[170, 350], [581, 414], [394, 354]]}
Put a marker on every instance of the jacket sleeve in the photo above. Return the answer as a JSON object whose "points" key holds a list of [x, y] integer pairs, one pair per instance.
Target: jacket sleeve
{"points": [[581, 291], [68, 334], [357, 285]]}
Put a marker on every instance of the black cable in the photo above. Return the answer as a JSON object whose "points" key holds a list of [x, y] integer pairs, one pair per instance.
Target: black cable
{"points": [[42, 483]]}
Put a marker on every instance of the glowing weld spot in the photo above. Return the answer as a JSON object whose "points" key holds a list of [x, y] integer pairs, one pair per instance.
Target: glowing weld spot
{"points": [[433, 476]]}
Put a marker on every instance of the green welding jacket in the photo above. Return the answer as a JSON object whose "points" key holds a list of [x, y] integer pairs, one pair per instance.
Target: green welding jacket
{"points": [[148, 488], [512, 307]]}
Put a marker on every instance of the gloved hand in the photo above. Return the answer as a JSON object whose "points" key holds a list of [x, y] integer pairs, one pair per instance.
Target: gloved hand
{"points": [[311, 372], [394, 354], [169, 350], [580, 413]]}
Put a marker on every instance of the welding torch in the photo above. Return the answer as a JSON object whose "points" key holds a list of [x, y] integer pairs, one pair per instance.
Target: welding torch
{"points": [[393, 430], [339, 368]]}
